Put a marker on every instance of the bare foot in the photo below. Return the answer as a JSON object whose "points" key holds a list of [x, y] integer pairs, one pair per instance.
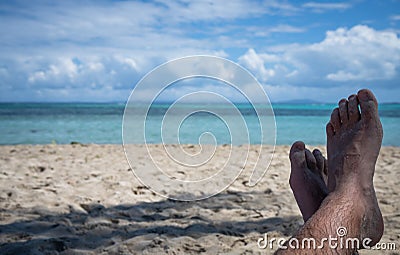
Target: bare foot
{"points": [[354, 137], [307, 178]]}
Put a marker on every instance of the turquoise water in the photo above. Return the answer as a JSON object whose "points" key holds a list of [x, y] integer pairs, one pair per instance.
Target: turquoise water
{"points": [[42, 123]]}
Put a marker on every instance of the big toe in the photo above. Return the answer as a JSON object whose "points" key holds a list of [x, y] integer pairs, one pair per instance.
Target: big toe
{"points": [[335, 120], [368, 104], [297, 154]]}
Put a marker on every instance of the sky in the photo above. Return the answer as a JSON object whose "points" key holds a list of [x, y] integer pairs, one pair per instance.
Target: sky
{"points": [[97, 51]]}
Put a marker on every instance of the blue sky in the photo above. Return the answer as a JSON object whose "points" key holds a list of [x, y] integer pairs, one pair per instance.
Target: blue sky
{"points": [[96, 51]]}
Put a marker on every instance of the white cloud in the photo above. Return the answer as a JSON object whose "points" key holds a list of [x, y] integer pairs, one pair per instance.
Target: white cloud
{"points": [[64, 69], [256, 63], [76, 72], [395, 17], [184, 11], [145, 24], [322, 7], [103, 44], [346, 56], [282, 28], [98, 46]]}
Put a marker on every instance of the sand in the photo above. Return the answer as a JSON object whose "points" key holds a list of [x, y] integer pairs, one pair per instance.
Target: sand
{"points": [[84, 199]]}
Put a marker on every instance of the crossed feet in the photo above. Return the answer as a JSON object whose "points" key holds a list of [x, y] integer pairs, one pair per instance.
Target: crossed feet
{"points": [[354, 137]]}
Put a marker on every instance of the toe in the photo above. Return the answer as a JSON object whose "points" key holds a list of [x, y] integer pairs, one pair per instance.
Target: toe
{"points": [[321, 165], [353, 112], [335, 119], [320, 160], [297, 146], [311, 161], [367, 95], [330, 131], [368, 104], [325, 171], [343, 111], [297, 155]]}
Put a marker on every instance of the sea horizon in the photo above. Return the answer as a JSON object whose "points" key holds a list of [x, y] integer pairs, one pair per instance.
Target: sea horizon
{"points": [[101, 123]]}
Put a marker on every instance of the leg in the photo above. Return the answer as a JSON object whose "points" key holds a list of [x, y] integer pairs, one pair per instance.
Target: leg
{"points": [[354, 140]]}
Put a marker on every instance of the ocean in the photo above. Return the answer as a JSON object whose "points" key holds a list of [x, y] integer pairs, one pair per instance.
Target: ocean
{"points": [[101, 123]]}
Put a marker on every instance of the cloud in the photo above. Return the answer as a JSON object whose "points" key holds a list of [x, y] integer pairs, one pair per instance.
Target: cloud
{"points": [[65, 69], [98, 50], [186, 11], [75, 46], [281, 28], [122, 22], [395, 17], [359, 55], [322, 7], [60, 47]]}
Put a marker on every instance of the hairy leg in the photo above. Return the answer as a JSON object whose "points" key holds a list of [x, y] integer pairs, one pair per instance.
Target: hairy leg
{"points": [[354, 140]]}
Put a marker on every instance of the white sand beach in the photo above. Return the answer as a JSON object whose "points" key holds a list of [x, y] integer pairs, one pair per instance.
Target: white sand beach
{"points": [[84, 199]]}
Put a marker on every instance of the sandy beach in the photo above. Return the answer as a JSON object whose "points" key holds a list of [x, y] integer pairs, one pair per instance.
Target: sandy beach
{"points": [[84, 199]]}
